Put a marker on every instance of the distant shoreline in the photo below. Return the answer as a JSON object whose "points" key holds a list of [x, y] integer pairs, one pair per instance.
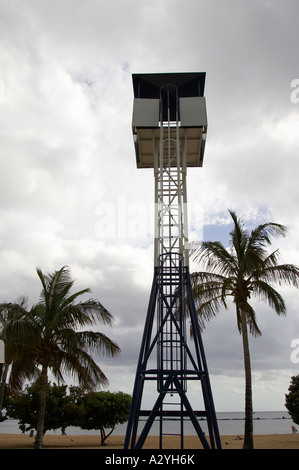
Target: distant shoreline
{"points": [[229, 423]]}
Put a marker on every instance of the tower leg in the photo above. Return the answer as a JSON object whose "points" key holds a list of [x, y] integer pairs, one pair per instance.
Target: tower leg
{"points": [[207, 390], [142, 363]]}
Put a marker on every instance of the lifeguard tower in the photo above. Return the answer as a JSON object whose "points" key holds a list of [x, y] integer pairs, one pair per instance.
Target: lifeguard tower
{"points": [[169, 129]]}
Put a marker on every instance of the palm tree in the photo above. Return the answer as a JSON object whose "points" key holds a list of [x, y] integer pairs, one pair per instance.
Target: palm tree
{"points": [[57, 346], [244, 271], [14, 328]]}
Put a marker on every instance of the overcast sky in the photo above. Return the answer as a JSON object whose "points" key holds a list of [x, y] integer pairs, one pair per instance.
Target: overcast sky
{"points": [[70, 190]]}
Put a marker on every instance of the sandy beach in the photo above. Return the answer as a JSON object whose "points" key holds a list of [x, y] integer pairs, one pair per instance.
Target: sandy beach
{"points": [[24, 441]]}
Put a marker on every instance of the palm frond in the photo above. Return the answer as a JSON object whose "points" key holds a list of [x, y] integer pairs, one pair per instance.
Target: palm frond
{"points": [[82, 367], [66, 300], [262, 234], [287, 274], [55, 288], [92, 341], [264, 291], [210, 291], [82, 314], [209, 309], [97, 312], [250, 320], [215, 256], [239, 237]]}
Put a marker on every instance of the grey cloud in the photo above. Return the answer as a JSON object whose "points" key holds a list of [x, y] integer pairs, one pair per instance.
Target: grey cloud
{"points": [[67, 148]]}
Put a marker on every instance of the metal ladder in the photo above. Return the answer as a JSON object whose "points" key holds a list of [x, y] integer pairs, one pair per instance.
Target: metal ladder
{"points": [[171, 353], [171, 190], [175, 414]]}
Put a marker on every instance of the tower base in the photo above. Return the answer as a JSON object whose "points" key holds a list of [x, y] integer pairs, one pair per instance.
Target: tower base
{"points": [[171, 301]]}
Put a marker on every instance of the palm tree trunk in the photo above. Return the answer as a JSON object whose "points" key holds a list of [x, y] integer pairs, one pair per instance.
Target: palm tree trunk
{"points": [[3, 384], [248, 432], [42, 408]]}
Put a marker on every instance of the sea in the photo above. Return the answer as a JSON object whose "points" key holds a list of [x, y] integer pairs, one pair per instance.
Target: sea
{"points": [[229, 423]]}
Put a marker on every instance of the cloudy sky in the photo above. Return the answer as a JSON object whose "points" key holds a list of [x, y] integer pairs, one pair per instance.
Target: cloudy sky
{"points": [[71, 193]]}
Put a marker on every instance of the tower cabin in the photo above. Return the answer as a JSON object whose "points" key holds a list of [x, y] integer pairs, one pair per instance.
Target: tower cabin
{"points": [[184, 106]]}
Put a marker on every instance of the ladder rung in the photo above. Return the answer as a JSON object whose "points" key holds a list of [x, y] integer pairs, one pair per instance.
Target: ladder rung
{"points": [[174, 413], [166, 403]]}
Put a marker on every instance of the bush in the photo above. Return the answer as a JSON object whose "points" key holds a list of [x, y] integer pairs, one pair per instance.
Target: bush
{"points": [[292, 399]]}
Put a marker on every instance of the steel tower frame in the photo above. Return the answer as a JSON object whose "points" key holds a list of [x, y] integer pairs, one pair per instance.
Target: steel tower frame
{"points": [[171, 298]]}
